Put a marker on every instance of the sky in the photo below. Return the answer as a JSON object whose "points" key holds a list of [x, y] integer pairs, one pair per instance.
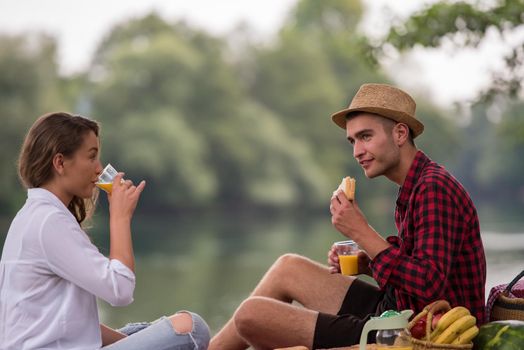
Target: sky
{"points": [[443, 76]]}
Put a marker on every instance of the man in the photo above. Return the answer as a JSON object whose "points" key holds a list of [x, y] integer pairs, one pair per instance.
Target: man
{"points": [[438, 253]]}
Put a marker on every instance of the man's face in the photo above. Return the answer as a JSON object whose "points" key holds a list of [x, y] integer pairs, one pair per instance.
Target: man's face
{"points": [[373, 144]]}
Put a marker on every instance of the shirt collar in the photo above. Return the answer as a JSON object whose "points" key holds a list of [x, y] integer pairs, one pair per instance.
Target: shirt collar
{"points": [[41, 194], [404, 192]]}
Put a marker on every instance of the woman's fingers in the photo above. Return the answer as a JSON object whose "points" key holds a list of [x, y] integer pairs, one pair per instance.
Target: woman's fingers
{"points": [[138, 189]]}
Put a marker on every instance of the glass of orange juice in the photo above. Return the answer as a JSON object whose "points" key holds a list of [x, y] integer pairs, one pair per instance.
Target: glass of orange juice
{"points": [[105, 179], [347, 252]]}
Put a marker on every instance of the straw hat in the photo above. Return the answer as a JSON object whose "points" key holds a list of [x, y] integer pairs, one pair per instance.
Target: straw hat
{"points": [[384, 100]]}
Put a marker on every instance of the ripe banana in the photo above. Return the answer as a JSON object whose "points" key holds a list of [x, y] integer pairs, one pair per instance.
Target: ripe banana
{"points": [[455, 329], [466, 336], [447, 319]]}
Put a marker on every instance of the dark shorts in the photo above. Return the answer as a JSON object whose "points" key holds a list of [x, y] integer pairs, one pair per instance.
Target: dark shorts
{"points": [[362, 301]]}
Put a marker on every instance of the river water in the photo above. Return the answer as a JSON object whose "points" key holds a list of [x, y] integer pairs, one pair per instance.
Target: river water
{"points": [[210, 264]]}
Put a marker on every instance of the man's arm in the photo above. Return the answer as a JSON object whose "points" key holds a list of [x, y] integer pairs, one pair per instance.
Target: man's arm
{"points": [[422, 265], [421, 272]]}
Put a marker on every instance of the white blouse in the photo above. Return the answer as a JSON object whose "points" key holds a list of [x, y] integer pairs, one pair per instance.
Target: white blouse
{"points": [[50, 276]]}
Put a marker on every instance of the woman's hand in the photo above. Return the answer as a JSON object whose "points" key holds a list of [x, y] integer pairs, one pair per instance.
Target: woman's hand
{"points": [[124, 197], [122, 204]]}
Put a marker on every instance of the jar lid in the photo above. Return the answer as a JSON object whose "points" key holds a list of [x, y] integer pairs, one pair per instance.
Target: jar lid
{"points": [[389, 313]]}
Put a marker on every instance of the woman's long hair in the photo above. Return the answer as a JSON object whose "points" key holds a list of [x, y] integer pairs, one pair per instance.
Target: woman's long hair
{"points": [[51, 134]]}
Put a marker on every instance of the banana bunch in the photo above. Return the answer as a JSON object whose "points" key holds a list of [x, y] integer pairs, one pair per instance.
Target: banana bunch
{"points": [[439, 323], [456, 326]]}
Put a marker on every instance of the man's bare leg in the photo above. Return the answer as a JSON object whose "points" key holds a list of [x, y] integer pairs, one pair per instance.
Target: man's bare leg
{"points": [[266, 323], [290, 278]]}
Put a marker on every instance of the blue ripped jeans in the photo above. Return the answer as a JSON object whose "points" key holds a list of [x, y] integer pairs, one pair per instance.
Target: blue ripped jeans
{"points": [[160, 335]]}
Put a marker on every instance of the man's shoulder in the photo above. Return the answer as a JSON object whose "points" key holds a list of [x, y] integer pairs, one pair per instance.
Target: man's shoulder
{"points": [[428, 171], [436, 173], [438, 178], [435, 178]]}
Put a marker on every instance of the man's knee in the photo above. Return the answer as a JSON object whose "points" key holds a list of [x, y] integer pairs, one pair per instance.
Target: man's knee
{"points": [[247, 317], [289, 262], [290, 258]]}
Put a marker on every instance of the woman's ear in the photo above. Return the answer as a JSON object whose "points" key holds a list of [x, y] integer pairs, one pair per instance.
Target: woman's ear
{"points": [[401, 133], [58, 163]]}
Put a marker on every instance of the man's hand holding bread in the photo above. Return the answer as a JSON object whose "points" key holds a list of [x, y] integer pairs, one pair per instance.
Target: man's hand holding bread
{"points": [[349, 220], [346, 215]]}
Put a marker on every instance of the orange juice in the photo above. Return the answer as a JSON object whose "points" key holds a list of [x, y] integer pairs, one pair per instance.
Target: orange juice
{"points": [[348, 264], [106, 186]]}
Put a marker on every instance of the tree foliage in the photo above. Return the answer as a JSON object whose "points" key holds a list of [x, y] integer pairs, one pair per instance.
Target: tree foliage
{"points": [[494, 138], [465, 24], [212, 126], [170, 100], [29, 84]]}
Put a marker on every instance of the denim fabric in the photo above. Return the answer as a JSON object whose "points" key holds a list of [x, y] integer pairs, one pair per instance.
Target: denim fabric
{"points": [[132, 328], [160, 335]]}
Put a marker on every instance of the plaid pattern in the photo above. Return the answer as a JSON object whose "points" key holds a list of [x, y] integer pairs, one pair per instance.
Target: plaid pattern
{"points": [[438, 253]]}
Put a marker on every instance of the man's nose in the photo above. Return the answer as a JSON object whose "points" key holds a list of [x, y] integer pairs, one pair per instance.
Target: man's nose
{"points": [[358, 149]]}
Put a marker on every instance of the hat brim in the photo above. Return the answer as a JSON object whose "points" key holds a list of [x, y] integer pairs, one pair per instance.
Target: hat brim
{"points": [[416, 127]]}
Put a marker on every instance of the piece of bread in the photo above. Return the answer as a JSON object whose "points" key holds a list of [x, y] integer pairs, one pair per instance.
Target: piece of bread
{"points": [[348, 186]]}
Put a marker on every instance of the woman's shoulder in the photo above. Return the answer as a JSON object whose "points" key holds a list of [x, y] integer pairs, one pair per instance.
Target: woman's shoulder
{"points": [[48, 223], [42, 213]]}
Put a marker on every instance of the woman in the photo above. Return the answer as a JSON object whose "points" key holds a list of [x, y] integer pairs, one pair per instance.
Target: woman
{"points": [[50, 272]]}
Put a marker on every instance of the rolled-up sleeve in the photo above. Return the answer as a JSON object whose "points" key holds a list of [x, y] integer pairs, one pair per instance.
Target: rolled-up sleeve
{"points": [[72, 256], [386, 262]]}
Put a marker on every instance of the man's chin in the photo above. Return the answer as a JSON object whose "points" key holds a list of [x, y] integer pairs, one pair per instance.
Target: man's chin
{"points": [[370, 175]]}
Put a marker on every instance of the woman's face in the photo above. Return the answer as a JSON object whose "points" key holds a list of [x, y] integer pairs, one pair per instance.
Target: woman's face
{"points": [[82, 169]]}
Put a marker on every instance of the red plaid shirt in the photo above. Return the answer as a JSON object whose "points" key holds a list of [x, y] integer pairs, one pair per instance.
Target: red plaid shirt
{"points": [[438, 253]]}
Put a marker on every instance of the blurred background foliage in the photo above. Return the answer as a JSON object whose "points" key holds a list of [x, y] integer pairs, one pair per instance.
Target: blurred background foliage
{"points": [[234, 137], [233, 124]]}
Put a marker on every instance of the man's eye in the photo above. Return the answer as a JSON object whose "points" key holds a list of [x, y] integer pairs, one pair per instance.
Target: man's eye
{"points": [[366, 137]]}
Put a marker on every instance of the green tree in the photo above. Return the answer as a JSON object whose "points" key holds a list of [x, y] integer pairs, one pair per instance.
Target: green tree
{"points": [[29, 86], [465, 24], [492, 142], [175, 112], [211, 126], [312, 70]]}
